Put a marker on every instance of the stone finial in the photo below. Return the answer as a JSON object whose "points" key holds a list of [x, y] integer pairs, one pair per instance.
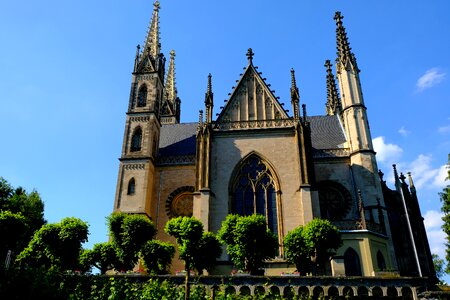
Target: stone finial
{"points": [[381, 174], [170, 86], [295, 96], [209, 88], [152, 44], [304, 111], [411, 183], [394, 166], [200, 118], [343, 46], [250, 55], [362, 214], [333, 105], [402, 177]]}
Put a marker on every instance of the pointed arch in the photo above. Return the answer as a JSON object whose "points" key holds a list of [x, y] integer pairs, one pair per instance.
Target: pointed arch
{"points": [[381, 262], [136, 140], [131, 186], [142, 96], [254, 188], [352, 263]]}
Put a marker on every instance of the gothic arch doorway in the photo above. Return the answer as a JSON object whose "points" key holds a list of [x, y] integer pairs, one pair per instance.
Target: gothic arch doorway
{"points": [[352, 263], [254, 189]]}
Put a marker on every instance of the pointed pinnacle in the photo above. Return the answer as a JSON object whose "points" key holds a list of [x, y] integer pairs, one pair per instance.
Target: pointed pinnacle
{"points": [[343, 46], [411, 183], [170, 86], [152, 44], [209, 88], [293, 82], [333, 105]]}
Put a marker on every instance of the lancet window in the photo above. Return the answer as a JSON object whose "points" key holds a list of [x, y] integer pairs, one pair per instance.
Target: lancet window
{"points": [[255, 191], [142, 96], [136, 140]]}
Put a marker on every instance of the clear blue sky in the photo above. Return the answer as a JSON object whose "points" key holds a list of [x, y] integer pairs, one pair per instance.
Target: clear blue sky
{"points": [[65, 71]]}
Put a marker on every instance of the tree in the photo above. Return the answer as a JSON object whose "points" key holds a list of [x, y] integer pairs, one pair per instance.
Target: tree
{"points": [[28, 205], [196, 248], [208, 251], [298, 250], [445, 199], [157, 256], [438, 266], [56, 246], [324, 239], [13, 228], [129, 233], [103, 256], [248, 241]]}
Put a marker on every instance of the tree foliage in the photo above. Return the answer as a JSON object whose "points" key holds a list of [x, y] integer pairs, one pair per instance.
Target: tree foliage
{"points": [[25, 209], [438, 266], [298, 250], [157, 256], [129, 234], [249, 242], [103, 256], [445, 199], [324, 238], [56, 245], [208, 250]]}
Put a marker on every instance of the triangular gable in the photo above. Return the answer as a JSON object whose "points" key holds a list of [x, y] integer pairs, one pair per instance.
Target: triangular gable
{"points": [[251, 100], [146, 65]]}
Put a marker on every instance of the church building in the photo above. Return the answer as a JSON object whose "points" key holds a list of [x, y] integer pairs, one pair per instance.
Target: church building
{"points": [[256, 157]]}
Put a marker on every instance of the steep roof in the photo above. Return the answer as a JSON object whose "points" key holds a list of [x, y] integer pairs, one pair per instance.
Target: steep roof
{"points": [[179, 139]]}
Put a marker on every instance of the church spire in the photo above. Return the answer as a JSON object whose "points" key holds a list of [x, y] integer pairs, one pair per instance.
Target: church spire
{"points": [[171, 90], [209, 104], [344, 52], [152, 44], [333, 105], [295, 96]]}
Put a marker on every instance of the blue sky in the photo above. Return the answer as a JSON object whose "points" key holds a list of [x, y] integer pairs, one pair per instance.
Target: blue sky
{"points": [[65, 75]]}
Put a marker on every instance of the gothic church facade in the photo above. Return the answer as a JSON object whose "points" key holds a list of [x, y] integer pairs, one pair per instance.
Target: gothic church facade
{"points": [[256, 158]]}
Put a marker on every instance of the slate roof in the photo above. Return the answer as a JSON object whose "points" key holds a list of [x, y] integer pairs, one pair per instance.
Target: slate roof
{"points": [[326, 132], [179, 139]]}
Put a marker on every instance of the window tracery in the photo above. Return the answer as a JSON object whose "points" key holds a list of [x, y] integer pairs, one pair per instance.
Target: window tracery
{"points": [[254, 191]]}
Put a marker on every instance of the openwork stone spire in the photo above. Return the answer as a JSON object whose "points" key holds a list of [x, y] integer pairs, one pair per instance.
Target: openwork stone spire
{"points": [[152, 44], [171, 90], [333, 105], [344, 52], [295, 96]]}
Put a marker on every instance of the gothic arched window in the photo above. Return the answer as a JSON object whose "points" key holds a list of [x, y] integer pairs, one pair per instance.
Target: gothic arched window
{"points": [[142, 96], [131, 187], [136, 140], [381, 263], [351, 263], [254, 191]]}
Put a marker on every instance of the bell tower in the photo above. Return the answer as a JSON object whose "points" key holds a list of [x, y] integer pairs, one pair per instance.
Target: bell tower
{"points": [[142, 127]]}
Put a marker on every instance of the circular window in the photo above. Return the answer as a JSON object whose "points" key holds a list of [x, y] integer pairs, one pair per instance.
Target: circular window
{"points": [[180, 202], [335, 200]]}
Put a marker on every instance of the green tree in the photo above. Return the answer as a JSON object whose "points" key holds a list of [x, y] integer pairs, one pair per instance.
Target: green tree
{"points": [[438, 266], [445, 199], [129, 233], [298, 250], [13, 228], [56, 246], [103, 256], [157, 256], [28, 205], [324, 239], [248, 241], [208, 250], [198, 249]]}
